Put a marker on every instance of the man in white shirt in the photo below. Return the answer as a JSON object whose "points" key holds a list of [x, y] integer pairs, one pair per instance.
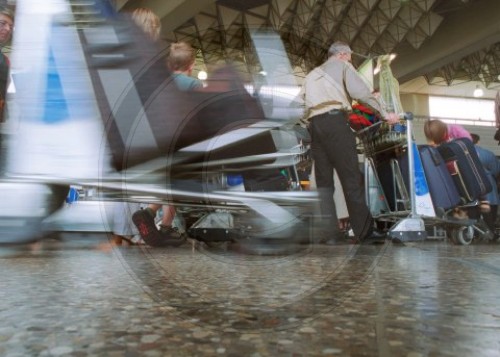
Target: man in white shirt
{"points": [[327, 94]]}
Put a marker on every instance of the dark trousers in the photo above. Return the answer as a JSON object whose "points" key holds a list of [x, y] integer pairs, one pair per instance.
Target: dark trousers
{"points": [[333, 147]]}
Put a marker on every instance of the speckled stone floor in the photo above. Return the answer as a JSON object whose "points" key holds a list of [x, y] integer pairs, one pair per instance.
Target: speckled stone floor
{"points": [[78, 297]]}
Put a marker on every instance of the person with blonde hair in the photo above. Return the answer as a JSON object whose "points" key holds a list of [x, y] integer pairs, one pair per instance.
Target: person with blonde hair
{"points": [[148, 21]]}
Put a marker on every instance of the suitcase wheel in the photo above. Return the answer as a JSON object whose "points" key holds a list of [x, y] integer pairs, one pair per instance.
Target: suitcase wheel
{"points": [[461, 235]]}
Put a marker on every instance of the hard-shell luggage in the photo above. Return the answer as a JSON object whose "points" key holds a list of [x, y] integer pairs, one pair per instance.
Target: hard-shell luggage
{"points": [[443, 191], [465, 168]]}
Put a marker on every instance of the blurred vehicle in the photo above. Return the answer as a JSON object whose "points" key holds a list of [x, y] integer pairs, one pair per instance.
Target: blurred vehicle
{"points": [[95, 106]]}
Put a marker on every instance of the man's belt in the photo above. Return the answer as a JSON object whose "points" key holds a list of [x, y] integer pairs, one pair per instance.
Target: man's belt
{"points": [[332, 104], [336, 111]]}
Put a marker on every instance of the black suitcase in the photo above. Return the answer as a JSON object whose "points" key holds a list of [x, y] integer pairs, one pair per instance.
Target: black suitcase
{"points": [[465, 168], [443, 191]]}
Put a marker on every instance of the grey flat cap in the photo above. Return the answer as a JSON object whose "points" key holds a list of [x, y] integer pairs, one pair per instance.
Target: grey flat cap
{"points": [[339, 47]]}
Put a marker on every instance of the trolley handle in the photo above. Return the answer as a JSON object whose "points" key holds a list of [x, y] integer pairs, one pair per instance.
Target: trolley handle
{"points": [[406, 116]]}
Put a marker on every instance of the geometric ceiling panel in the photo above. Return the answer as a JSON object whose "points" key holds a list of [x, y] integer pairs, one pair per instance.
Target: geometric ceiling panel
{"points": [[326, 22], [379, 21], [275, 19], [358, 14], [386, 44], [349, 29], [390, 7], [410, 15], [228, 16], [369, 37], [416, 37], [281, 6], [334, 8], [398, 29], [368, 4], [429, 23], [205, 23], [302, 17], [304, 12], [254, 22], [467, 31], [425, 5], [260, 11]]}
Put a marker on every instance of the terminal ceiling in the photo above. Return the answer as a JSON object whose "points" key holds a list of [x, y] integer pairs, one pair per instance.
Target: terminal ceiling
{"points": [[446, 42]]}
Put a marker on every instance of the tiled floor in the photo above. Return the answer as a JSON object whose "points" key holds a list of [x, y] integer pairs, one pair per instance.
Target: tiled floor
{"points": [[74, 297]]}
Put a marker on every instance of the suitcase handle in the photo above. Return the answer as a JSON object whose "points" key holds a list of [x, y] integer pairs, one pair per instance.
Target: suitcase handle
{"points": [[436, 157], [447, 154]]}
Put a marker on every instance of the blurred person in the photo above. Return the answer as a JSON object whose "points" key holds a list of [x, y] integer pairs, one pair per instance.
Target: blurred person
{"points": [[489, 204], [124, 230], [180, 60], [148, 21], [6, 28], [327, 95]]}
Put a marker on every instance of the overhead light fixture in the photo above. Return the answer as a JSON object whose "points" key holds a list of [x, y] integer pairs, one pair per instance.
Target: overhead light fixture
{"points": [[478, 92], [202, 75]]}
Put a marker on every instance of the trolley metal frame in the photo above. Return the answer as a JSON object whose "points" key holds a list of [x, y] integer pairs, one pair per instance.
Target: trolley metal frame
{"points": [[407, 224]]}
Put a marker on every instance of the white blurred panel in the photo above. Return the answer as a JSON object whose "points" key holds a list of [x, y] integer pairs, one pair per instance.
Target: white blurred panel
{"points": [[58, 130]]}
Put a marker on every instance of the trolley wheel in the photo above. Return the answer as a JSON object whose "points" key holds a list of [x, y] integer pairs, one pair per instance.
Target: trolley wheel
{"points": [[462, 235]]}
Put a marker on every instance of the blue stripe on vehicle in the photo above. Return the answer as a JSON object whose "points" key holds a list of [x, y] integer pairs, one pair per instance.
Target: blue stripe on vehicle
{"points": [[55, 106]]}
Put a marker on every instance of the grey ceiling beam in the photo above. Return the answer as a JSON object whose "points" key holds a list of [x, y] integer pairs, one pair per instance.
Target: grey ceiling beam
{"points": [[460, 34]]}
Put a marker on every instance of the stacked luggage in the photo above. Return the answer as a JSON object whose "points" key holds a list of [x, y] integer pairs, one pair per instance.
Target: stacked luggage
{"points": [[465, 168], [443, 191], [454, 173]]}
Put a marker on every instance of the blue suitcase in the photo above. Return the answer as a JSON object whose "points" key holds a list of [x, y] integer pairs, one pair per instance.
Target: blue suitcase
{"points": [[443, 191], [465, 168]]}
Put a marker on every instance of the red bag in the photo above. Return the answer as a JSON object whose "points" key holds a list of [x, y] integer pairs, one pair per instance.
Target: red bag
{"points": [[358, 121], [362, 117]]}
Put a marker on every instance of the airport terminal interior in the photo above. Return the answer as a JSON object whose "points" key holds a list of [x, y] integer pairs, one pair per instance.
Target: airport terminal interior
{"points": [[252, 274]]}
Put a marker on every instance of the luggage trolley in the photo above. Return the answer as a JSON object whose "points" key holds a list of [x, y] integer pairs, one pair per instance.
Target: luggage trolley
{"points": [[396, 186]]}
